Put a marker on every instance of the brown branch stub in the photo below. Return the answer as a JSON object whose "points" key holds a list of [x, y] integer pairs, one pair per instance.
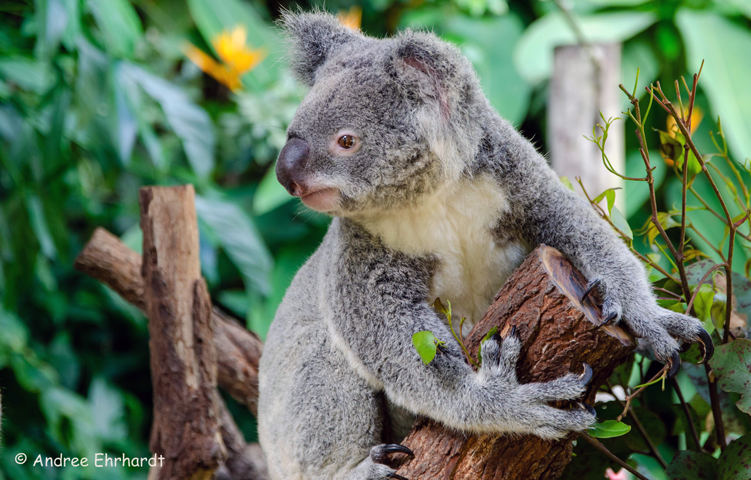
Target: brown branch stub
{"points": [[187, 425], [107, 259], [541, 299]]}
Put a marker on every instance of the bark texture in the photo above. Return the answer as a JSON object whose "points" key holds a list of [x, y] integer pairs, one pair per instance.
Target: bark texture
{"points": [[542, 299], [187, 423], [238, 350]]}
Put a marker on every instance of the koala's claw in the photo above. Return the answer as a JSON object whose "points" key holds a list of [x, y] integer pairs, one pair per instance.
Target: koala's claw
{"points": [[707, 345], [397, 476], [395, 448], [380, 453], [513, 332], [611, 319], [675, 364], [594, 284], [586, 376], [588, 408]]}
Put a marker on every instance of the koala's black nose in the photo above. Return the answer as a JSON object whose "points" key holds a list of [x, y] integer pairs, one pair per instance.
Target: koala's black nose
{"points": [[291, 164]]}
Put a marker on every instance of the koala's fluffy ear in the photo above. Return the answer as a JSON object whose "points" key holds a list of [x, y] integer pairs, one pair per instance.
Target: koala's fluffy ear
{"points": [[424, 67], [314, 37]]}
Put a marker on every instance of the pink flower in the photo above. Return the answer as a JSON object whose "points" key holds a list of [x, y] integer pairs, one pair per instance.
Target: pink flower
{"points": [[621, 475]]}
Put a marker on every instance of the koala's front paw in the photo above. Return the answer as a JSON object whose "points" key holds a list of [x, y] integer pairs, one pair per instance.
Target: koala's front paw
{"points": [[526, 408], [659, 326]]}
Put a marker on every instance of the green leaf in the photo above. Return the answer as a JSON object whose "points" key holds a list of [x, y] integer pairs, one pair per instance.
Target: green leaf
{"points": [[52, 20], [741, 288], [681, 424], [235, 232], [190, 122], [108, 409], [720, 41], [27, 73], [440, 307], [731, 365], [609, 429], [688, 465], [620, 222], [119, 25], [610, 194], [40, 227], [15, 333], [703, 306], [734, 462], [533, 55], [565, 181], [425, 344], [270, 194]]}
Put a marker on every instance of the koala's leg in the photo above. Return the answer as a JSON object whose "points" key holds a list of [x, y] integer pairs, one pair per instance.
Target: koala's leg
{"points": [[318, 419]]}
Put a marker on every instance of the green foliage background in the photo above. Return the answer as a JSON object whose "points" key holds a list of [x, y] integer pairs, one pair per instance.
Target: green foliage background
{"points": [[97, 99]]}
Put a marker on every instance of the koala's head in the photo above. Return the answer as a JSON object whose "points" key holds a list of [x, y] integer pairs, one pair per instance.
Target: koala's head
{"points": [[386, 121]]}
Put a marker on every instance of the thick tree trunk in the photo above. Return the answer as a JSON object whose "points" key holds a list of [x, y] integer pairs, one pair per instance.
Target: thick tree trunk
{"points": [[542, 300], [187, 424]]}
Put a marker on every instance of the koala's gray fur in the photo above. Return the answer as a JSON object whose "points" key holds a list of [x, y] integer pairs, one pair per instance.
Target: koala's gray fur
{"points": [[436, 166]]}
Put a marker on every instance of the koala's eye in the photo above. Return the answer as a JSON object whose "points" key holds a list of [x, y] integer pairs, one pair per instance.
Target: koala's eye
{"points": [[346, 141]]}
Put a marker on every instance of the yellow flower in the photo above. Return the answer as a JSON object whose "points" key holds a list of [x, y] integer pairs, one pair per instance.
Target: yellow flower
{"points": [[232, 49], [351, 19], [696, 116], [237, 58]]}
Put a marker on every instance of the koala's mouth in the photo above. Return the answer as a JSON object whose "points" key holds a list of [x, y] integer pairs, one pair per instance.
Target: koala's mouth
{"points": [[323, 200]]}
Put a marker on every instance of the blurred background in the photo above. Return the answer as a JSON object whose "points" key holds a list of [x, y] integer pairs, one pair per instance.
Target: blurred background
{"points": [[101, 97]]}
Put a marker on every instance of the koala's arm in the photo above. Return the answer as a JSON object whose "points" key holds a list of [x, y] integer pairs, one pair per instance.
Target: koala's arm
{"points": [[380, 304], [545, 211]]}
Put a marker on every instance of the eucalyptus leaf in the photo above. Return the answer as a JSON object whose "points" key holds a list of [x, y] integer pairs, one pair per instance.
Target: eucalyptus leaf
{"points": [[425, 344], [609, 429], [620, 222]]}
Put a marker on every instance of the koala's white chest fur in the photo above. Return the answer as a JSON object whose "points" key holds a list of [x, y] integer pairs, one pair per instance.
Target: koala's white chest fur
{"points": [[455, 224]]}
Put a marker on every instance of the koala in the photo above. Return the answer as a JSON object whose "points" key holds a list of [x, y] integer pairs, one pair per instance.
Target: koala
{"points": [[433, 194]]}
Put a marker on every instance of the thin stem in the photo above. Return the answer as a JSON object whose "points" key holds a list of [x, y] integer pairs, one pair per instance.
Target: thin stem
{"points": [[690, 422], [714, 399], [662, 372], [655, 452], [599, 446]]}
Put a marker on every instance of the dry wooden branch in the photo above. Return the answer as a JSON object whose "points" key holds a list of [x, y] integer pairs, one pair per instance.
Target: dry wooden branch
{"points": [[559, 333], [108, 260], [187, 423]]}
